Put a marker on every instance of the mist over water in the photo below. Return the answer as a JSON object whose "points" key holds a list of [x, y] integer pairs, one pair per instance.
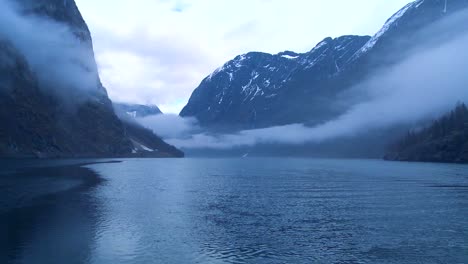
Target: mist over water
{"points": [[430, 80], [170, 125]]}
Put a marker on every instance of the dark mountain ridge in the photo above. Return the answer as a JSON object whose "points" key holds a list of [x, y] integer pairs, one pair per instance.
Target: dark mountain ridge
{"points": [[50, 119]]}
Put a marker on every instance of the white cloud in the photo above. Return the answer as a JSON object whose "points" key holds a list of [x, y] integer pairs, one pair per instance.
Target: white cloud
{"points": [[74, 69], [174, 44], [170, 125]]}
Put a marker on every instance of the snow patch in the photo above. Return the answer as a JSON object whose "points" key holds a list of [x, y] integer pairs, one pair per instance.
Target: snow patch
{"points": [[321, 44], [246, 86], [254, 75], [257, 91], [218, 70], [289, 57], [132, 114], [138, 146], [239, 61], [371, 43], [419, 3], [312, 63], [221, 98], [146, 148], [337, 67], [339, 48]]}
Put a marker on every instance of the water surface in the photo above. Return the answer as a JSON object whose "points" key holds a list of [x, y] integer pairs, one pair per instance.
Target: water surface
{"points": [[234, 211]]}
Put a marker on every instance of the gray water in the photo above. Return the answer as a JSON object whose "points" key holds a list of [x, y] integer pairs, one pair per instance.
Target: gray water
{"points": [[235, 211]]}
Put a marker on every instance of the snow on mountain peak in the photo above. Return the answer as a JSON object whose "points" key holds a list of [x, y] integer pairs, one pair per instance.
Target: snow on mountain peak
{"points": [[419, 3], [388, 24], [227, 67], [290, 57]]}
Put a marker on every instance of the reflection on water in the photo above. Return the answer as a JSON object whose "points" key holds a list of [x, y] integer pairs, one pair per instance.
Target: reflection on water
{"points": [[237, 211], [45, 216]]}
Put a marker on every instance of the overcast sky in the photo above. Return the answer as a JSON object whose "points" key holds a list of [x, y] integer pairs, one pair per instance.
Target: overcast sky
{"points": [[158, 51]]}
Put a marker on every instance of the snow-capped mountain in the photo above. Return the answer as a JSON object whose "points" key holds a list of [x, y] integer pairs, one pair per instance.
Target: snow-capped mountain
{"points": [[258, 90], [253, 86], [400, 32]]}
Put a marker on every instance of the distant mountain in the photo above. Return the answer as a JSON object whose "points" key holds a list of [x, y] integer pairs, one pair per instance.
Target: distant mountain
{"points": [[137, 110], [44, 118], [147, 144], [446, 140], [259, 90]]}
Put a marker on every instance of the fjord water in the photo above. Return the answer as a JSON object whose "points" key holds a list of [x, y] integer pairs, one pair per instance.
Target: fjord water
{"points": [[265, 210]]}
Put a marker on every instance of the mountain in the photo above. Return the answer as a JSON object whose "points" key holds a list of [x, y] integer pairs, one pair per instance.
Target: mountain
{"points": [[446, 140], [45, 114], [137, 110], [147, 144], [258, 90]]}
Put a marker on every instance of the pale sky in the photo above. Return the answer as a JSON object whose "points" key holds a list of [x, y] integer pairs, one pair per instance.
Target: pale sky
{"points": [[158, 51]]}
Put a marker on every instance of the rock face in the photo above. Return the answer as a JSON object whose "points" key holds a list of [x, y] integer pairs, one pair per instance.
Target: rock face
{"points": [[259, 90], [446, 140], [137, 110], [36, 123]]}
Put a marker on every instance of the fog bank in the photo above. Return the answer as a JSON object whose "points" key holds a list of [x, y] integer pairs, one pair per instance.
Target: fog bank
{"points": [[61, 61], [429, 82]]}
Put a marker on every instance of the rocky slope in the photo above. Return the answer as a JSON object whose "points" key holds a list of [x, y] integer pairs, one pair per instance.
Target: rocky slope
{"points": [[37, 122], [259, 90]]}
